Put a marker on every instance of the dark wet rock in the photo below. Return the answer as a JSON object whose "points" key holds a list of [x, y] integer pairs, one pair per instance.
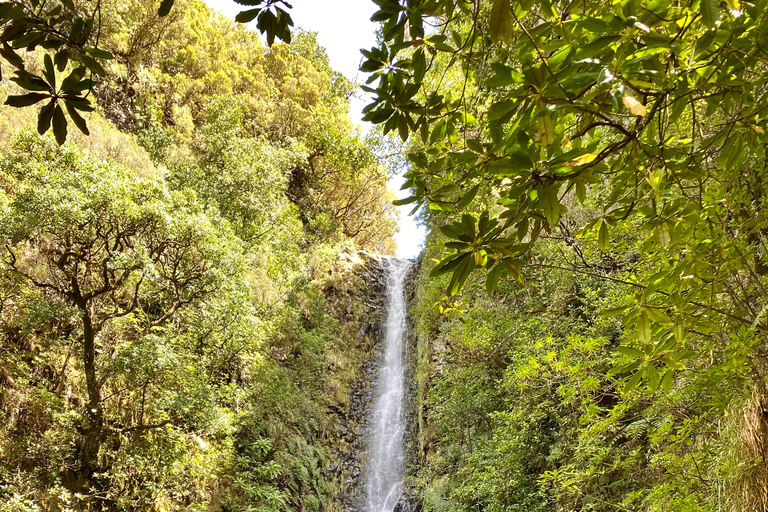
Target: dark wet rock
{"points": [[366, 312], [413, 449], [408, 503], [365, 316]]}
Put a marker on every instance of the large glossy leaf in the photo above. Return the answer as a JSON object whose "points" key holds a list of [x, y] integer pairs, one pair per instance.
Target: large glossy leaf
{"points": [[25, 100], [59, 125], [500, 24]]}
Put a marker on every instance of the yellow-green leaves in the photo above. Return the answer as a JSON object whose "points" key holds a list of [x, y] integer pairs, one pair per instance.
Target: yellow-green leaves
{"points": [[641, 111], [655, 178], [477, 244], [653, 364]]}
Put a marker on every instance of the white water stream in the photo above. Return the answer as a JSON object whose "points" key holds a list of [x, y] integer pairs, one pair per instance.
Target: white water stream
{"points": [[385, 472]]}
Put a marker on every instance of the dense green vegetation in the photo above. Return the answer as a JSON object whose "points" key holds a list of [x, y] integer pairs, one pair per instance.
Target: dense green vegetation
{"points": [[522, 408], [594, 175], [178, 321], [590, 306]]}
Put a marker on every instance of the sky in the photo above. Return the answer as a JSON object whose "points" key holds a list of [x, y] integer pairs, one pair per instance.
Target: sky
{"points": [[343, 27]]}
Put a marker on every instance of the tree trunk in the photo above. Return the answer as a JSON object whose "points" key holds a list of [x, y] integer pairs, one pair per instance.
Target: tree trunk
{"points": [[92, 434]]}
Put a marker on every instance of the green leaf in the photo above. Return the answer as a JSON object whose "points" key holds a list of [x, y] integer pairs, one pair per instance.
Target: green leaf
{"points": [[653, 378], [11, 56], [581, 192], [603, 239], [615, 311], [672, 363], [44, 117], [11, 11], [407, 200], [79, 103], [594, 47], [77, 118], [513, 266], [679, 330], [662, 231], [59, 125], [402, 127], [447, 264], [30, 82], [629, 351], [501, 21], [468, 225], [658, 316], [468, 197], [666, 381], [61, 59], [93, 64], [29, 40], [501, 109], [379, 116], [165, 8], [625, 368], [49, 73], [460, 274], [644, 327], [419, 65], [450, 231], [98, 53], [504, 76], [632, 383], [73, 78], [710, 12], [248, 15], [492, 281], [551, 204], [546, 130], [25, 100]]}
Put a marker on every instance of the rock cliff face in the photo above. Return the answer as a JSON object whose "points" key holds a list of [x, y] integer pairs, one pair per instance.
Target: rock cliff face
{"points": [[410, 502], [358, 299]]}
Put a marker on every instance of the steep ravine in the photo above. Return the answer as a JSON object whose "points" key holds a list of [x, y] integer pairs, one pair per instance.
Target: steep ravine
{"points": [[410, 501], [362, 303]]}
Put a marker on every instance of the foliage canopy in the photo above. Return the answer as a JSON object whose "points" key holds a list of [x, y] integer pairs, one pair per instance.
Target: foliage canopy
{"points": [[651, 113]]}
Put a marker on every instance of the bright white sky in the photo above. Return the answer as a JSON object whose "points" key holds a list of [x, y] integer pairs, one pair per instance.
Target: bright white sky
{"points": [[343, 27]]}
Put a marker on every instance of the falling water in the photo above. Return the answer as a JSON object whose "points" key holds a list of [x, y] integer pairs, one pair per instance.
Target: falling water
{"points": [[386, 463]]}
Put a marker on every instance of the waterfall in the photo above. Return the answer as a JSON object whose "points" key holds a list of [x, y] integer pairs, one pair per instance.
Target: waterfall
{"points": [[385, 472]]}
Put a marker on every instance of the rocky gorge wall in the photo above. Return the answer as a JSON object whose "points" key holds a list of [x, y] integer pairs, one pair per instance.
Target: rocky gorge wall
{"points": [[410, 501], [358, 298]]}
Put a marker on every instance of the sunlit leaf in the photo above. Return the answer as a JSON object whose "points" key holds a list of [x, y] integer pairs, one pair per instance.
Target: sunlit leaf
{"points": [[634, 106]]}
